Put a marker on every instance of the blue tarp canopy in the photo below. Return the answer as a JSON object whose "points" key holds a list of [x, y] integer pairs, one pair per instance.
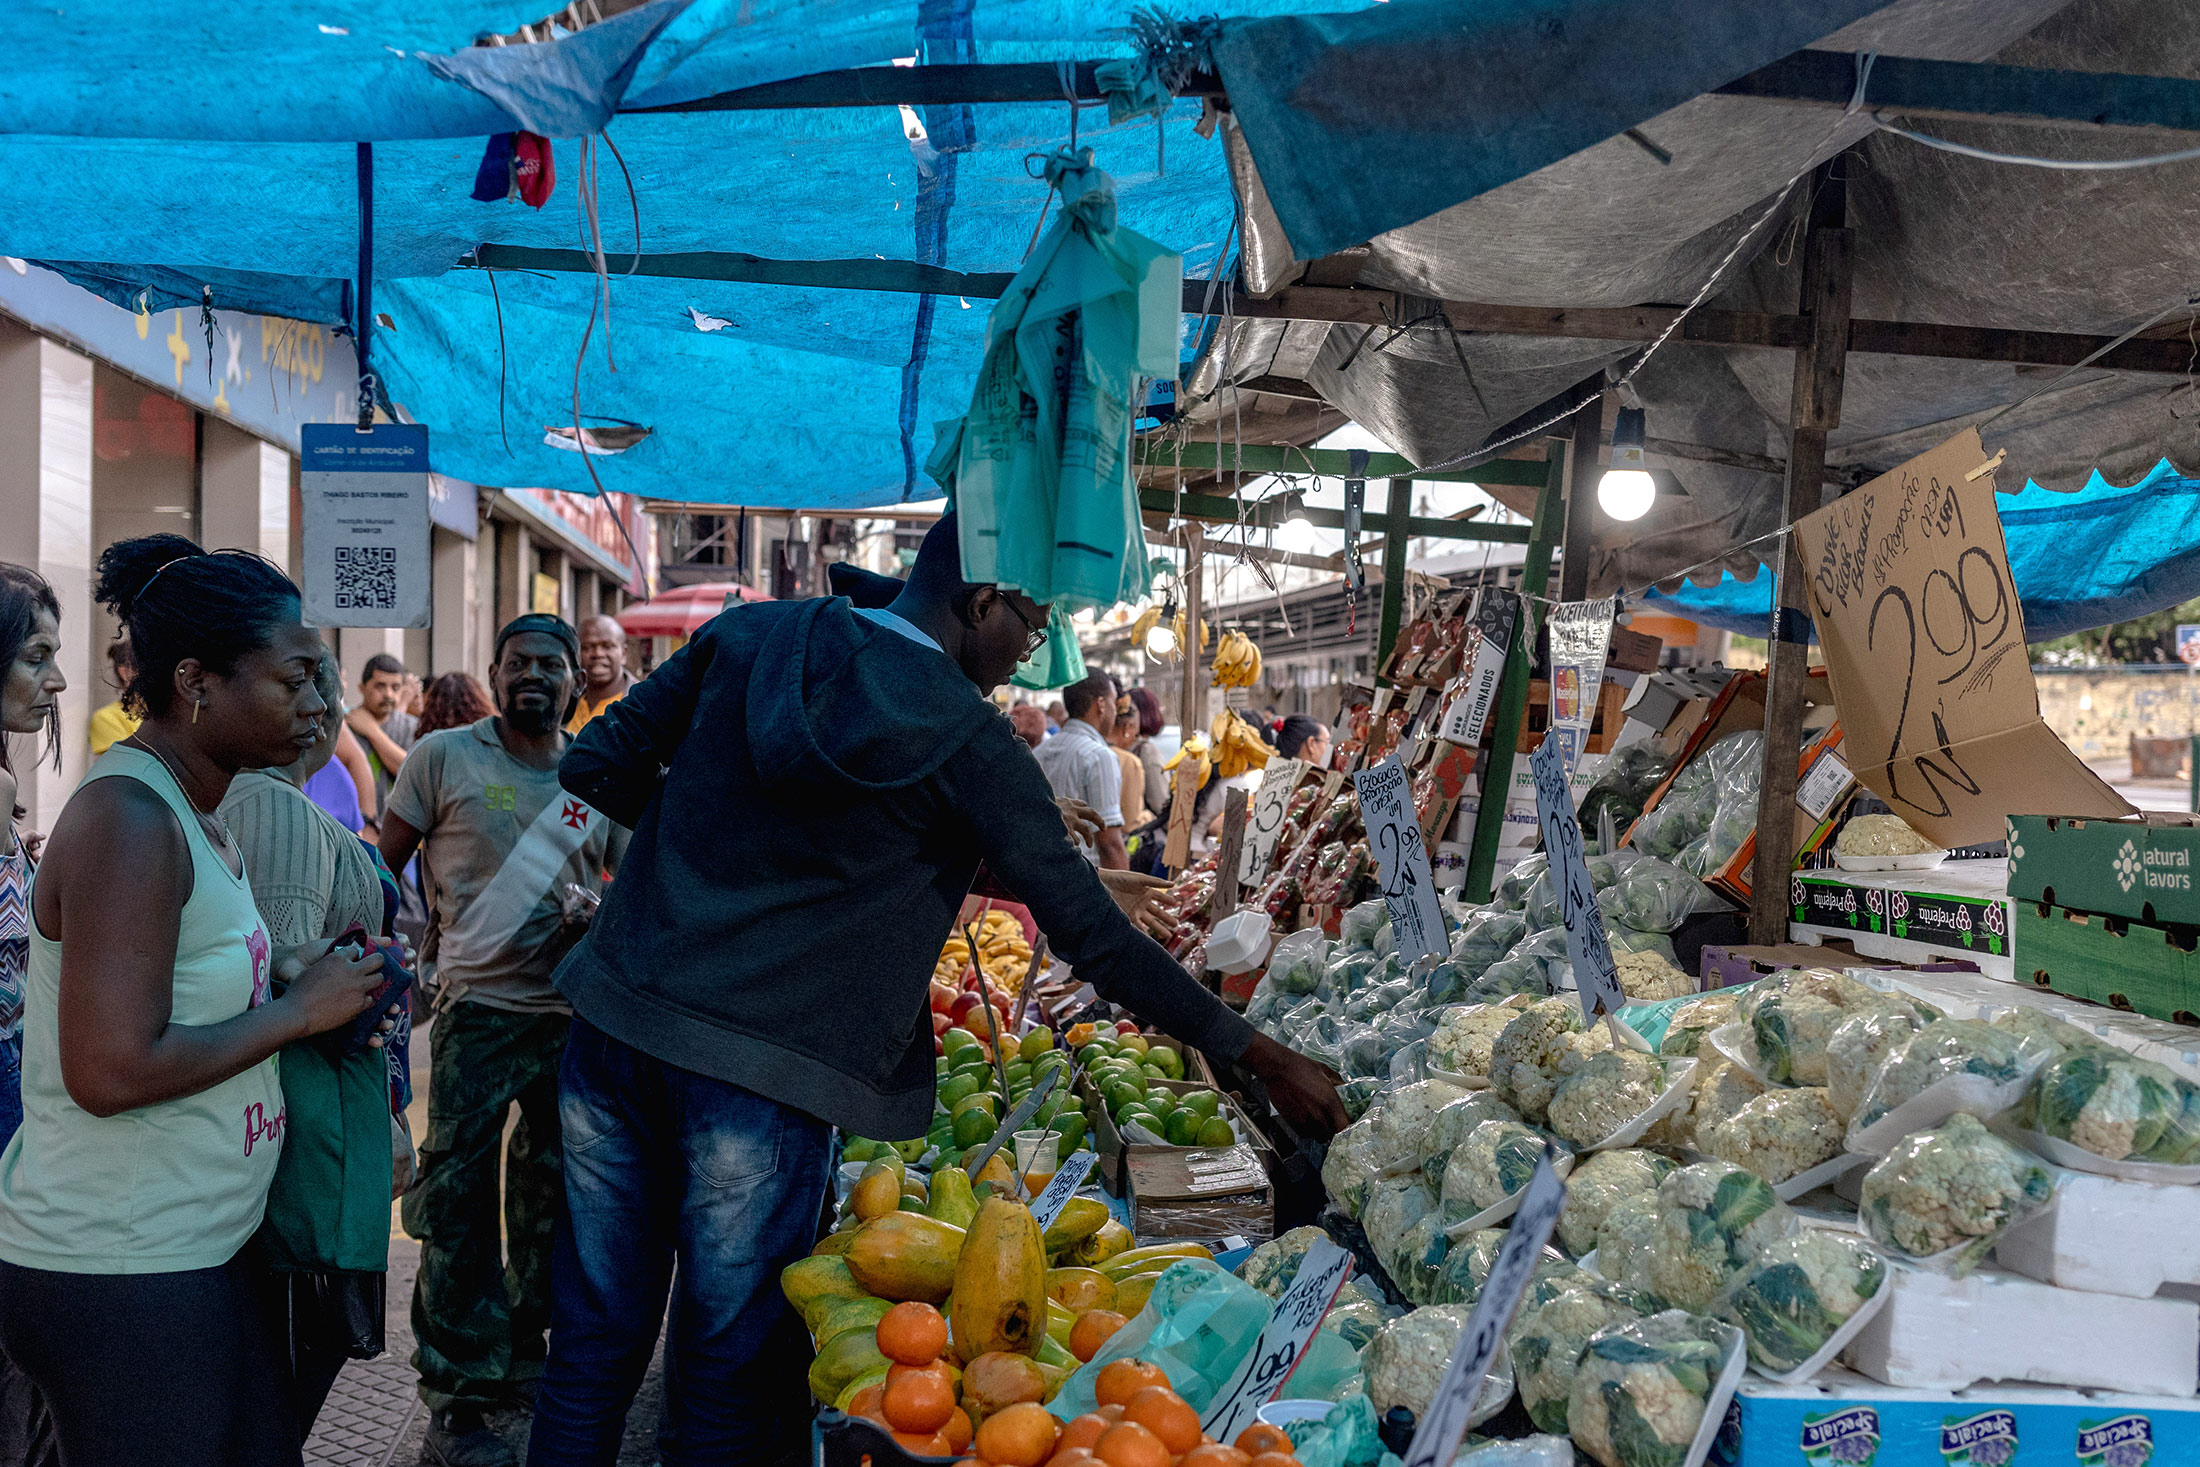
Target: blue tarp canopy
{"points": [[2081, 560]]}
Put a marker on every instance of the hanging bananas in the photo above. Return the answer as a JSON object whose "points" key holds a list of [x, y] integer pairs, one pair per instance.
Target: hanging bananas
{"points": [[1195, 749], [1237, 661], [1238, 745]]}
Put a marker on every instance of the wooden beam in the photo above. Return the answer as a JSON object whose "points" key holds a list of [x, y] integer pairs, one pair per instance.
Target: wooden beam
{"points": [[1394, 573], [1973, 91], [1814, 410], [1329, 463], [921, 86], [1213, 509], [1193, 716]]}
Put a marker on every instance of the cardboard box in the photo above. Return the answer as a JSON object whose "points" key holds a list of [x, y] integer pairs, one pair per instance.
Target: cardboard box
{"points": [[1960, 907], [1729, 967], [1603, 729], [2109, 960], [1199, 1192], [2146, 868]]}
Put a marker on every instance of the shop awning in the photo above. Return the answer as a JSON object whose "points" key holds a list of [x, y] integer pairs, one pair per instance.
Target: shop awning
{"points": [[678, 612]]}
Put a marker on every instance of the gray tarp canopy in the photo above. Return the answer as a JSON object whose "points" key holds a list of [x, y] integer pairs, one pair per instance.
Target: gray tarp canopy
{"points": [[1938, 238]]}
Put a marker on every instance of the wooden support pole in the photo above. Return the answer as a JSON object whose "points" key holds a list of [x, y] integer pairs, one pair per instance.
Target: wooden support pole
{"points": [[1510, 715], [1394, 571], [1193, 718], [1226, 896], [1581, 499], [1814, 409]]}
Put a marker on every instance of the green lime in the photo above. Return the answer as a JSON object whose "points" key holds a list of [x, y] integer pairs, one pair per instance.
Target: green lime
{"points": [[1036, 1043], [957, 1087], [1214, 1131], [972, 1127]]}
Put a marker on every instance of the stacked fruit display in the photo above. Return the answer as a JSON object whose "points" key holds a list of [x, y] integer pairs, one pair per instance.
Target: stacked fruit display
{"points": [[1123, 1068], [971, 1102], [1002, 949]]}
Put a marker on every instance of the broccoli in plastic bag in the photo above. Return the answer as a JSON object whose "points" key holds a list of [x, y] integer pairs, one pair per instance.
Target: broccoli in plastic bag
{"points": [[1598, 1184], [1655, 896], [1512, 892], [1453, 1124], [1641, 1388], [1485, 939], [1547, 1341], [1494, 1162], [1792, 1013], [1362, 1052], [2120, 1107], [1681, 815], [1295, 965], [1713, 1220], [1357, 928], [1942, 1197], [1798, 1292]]}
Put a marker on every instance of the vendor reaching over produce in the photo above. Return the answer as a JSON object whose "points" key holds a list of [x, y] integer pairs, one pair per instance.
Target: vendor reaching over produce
{"points": [[760, 972]]}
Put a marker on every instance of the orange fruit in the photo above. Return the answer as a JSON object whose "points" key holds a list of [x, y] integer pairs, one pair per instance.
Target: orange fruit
{"points": [[1131, 1445], [1213, 1454], [1081, 1434], [912, 1334], [1119, 1380], [940, 1368], [958, 1431], [1273, 1459], [1163, 1412], [1261, 1437], [1073, 1457], [866, 1402], [1092, 1330], [920, 1402], [1021, 1435], [924, 1444], [1110, 1414]]}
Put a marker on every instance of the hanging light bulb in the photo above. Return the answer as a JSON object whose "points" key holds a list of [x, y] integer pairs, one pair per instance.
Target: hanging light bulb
{"points": [[1161, 637], [1627, 491], [1297, 531]]}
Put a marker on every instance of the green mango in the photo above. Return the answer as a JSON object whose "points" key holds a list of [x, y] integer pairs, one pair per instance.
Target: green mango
{"points": [[955, 1088]]}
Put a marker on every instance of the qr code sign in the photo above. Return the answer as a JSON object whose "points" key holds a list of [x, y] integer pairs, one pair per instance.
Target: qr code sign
{"points": [[366, 577]]}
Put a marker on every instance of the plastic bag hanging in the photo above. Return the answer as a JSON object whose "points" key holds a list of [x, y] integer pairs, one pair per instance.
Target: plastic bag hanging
{"points": [[1058, 662]]}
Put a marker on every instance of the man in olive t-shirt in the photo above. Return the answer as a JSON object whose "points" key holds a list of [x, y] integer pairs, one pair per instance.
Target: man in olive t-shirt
{"points": [[499, 844]]}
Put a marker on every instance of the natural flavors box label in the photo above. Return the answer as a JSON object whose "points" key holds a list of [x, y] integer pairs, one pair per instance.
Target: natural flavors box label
{"points": [[2121, 1441], [1849, 1437], [1988, 1439]]}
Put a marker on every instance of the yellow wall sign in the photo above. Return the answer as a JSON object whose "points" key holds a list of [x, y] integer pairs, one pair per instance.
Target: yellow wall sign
{"points": [[546, 594]]}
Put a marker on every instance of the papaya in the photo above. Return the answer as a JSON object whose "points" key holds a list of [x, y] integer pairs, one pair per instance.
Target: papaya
{"points": [[1080, 1289], [996, 1172], [1135, 1260], [834, 1243], [1000, 1283], [905, 1255], [1131, 1294], [999, 1379], [842, 1360], [951, 1200], [1112, 1238], [1078, 1220], [841, 1315], [1059, 1322], [877, 1192], [811, 1283]]}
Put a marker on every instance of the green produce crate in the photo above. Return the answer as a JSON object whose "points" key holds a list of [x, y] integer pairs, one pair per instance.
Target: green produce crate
{"points": [[2110, 960], [2146, 868]]}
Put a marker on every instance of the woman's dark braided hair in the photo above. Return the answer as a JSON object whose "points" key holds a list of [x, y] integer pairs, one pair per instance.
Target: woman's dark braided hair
{"points": [[177, 601]]}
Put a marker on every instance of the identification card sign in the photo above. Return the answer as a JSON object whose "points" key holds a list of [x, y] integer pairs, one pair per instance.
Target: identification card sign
{"points": [[1048, 1204], [1394, 840], [1269, 803], [364, 503], [1586, 946], [1482, 666], [1282, 1341]]}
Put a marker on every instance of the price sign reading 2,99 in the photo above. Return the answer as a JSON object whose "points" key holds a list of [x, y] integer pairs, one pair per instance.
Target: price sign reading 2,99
{"points": [[1586, 946], [1282, 1341], [1394, 840]]}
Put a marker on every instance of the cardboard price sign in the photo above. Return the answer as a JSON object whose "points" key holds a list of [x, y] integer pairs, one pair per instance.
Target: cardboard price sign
{"points": [[1394, 840], [1282, 1341], [1482, 666], [1057, 1192], [1910, 587], [1586, 946], [1436, 1438], [1266, 822]]}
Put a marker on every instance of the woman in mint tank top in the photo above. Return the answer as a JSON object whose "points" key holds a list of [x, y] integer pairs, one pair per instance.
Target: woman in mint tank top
{"points": [[153, 1009]]}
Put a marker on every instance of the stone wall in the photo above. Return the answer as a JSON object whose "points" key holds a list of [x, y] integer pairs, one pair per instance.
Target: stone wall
{"points": [[2097, 710]]}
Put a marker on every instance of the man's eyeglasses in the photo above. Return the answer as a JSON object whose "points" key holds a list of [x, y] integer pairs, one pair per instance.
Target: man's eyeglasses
{"points": [[1036, 631]]}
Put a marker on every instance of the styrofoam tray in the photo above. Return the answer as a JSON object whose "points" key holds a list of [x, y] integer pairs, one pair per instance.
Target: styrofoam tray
{"points": [[1921, 861], [1812, 1178], [1714, 1406], [1835, 1343], [1490, 1217], [1464, 1082], [1680, 1076], [1954, 1095], [2078, 1159], [1734, 1042]]}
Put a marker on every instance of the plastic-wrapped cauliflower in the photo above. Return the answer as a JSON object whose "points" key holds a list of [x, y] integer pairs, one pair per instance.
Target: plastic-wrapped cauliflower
{"points": [[1686, 1027], [2025, 1020], [1624, 1240], [1495, 1161], [1646, 977], [1713, 1221], [1547, 1341], [1951, 1190], [1945, 1050], [1722, 1088], [1467, 1266], [1598, 1184], [1798, 1293], [1780, 1134], [1349, 1167], [1605, 1093], [1394, 1205], [1858, 1046], [1881, 835], [1357, 1314], [2118, 1106], [1405, 1363], [1790, 1016], [1641, 1388], [1417, 1268], [1465, 1035], [1453, 1124], [1540, 1048], [1271, 1267], [1403, 1121]]}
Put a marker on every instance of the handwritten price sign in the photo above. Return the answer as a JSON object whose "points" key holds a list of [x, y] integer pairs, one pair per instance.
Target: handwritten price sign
{"points": [[1911, 590], [1586, 946], [1052, 1197], [1265, 823], [1394, 840], [1282, 1341], [1436, 1436]]}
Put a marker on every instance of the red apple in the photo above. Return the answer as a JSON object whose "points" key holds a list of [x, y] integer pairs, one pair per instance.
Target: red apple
{"points": [[960, 1009], [1125, 1026], [970, 980], [943, 998], [941, 1024]]}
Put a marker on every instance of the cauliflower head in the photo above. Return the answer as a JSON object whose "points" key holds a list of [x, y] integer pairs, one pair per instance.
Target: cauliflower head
{"points": [[2118, 1106], [1606, 1092], [1349, 1165], [1943, 1050], [1453, 1124], [1792, 1014], [1525, 1047], [1547, 1341], [1881, 835], [1467, 1266], [1405, 1361], [1417, 1267], [1799, 1291], [1956, 1187], [1640, 1388], [1596, 1185], [1404, 1119], [1858, 1046], [1495, 1161], [1625, 1238], [1394, 1205], [1722, 1087], [1466, 1034], [1780, 1134], [1646, 977], [1271, 1267], [1686, 1027], [1713, 1220]]}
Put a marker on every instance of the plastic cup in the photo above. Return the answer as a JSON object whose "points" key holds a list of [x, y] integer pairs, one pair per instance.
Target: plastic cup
{"points": [[1037, 1163]]}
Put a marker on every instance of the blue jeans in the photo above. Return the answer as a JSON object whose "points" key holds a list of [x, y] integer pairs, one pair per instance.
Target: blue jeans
{"points": [[665, 1165], [11, 1086]]}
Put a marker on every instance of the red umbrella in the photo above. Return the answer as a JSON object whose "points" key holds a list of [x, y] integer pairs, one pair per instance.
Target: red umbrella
{"points": [[678, 612]]}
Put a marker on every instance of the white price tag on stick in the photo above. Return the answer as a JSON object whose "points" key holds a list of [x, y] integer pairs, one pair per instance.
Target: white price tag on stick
{"points": [[1394, 840], [1282, 1341], [1437, 1435], [1048, 1204], [1586, 946], [1266, 822]]}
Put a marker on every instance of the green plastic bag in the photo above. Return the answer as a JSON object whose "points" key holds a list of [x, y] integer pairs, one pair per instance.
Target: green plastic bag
{"points": [[1198, 1326], [1346, 1437]]}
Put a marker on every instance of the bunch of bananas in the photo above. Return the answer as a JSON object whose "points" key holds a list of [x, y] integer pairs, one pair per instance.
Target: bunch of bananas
{"points": [[1238, 745], [1237, 661], [1002, 950], [1195, 748]]}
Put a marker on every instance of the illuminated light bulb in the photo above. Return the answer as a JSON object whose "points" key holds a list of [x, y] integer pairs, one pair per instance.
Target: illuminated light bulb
{"points": [[1161, 641], [1627, 491]]}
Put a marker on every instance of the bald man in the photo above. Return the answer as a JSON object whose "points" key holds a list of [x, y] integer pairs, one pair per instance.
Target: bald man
{"points": [[604, 678]]}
